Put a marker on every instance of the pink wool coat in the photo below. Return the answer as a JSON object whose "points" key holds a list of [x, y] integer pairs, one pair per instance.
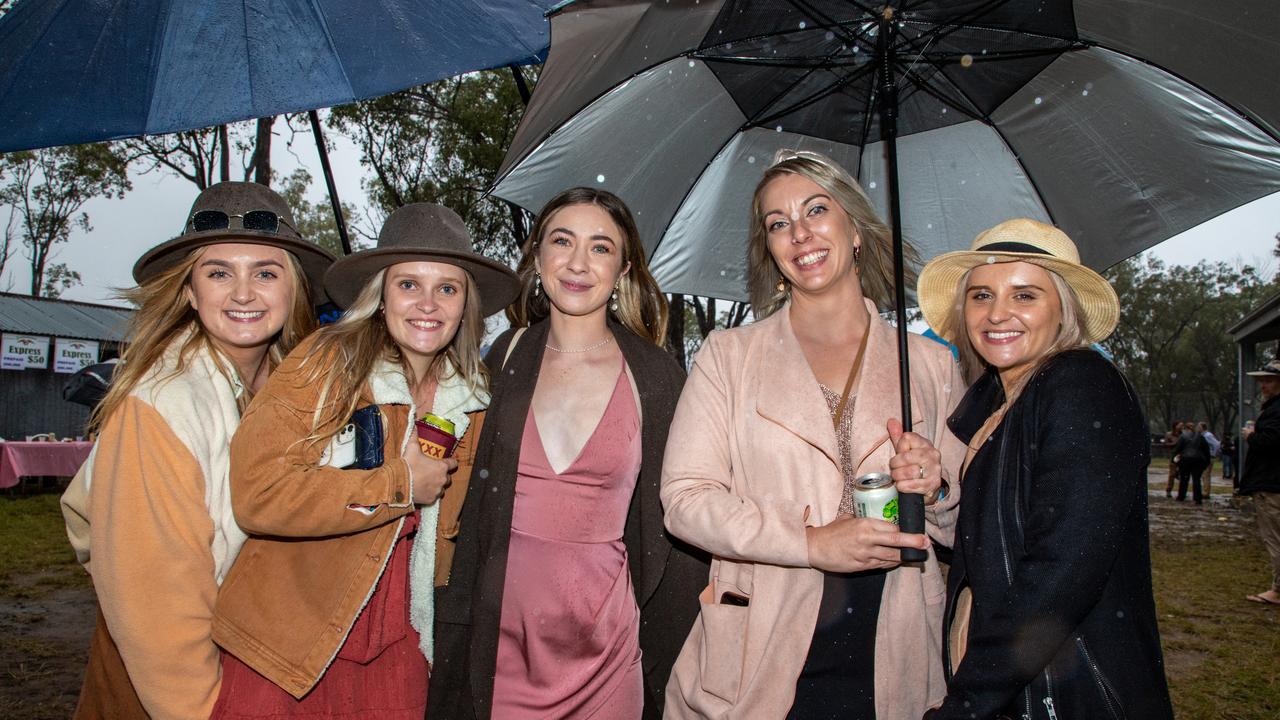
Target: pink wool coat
{"points": [[751, 450]]}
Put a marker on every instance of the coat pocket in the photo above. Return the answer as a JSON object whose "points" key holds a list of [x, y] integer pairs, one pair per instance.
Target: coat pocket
{"points": [[724, 643]]}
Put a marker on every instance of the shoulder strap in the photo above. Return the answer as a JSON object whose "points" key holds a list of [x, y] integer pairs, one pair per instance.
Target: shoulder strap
{"points": [[515, 338]]}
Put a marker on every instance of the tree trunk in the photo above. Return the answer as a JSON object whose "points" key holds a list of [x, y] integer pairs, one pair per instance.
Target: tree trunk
{"points": [[262, 152], [675, 328]]}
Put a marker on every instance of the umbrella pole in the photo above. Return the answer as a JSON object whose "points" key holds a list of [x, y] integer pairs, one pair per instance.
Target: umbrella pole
{"points": [[328, 180], [910, 505]]}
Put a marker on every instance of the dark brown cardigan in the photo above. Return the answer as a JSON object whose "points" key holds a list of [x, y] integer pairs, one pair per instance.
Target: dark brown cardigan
{"points": [[667, 574]]}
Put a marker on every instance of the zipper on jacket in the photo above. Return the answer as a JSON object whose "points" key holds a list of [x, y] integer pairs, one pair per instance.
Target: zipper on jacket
{"points": [[1004, 543], [1048, 696], [1104, 687]]}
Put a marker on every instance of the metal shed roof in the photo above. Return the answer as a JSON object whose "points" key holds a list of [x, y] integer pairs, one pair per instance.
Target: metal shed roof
{"points": [[62, 318]]}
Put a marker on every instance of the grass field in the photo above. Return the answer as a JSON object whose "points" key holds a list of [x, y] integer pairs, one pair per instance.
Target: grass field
{"points": [[1221, 652]]}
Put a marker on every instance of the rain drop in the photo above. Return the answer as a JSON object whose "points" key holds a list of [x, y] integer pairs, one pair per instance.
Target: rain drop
{"points": [[778, 129], [929, 226], [1039, 100], [484, 473], [795, 216], [991, 259], [1084, 93], [751, 159], [721, 273], [944, 111], [599, 178], [691, 63], [802, 25], [1097, 424], [872, 185], [829, 36], [966, 60]]}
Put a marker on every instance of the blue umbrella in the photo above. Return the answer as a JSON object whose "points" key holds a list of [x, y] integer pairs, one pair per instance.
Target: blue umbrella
{"points": [[75, 72]]}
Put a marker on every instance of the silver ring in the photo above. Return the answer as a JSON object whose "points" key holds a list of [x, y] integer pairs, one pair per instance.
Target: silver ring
{"points": [[922, 472]]}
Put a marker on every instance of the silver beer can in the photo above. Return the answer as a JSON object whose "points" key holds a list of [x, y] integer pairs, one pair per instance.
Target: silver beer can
{"points": [[874, 496]]}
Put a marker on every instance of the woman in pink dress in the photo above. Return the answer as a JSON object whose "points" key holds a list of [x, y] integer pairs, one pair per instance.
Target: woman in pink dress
{"points": [[567, 598]]}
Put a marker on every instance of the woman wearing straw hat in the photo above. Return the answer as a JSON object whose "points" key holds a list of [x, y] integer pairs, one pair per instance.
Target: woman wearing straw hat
{"points": [[1050, 612], [217, 308], [328, 612], [809, 613], [568, 599]]}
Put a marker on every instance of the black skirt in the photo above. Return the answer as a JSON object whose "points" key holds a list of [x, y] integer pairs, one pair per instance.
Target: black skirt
{"points": [[838, 679]]}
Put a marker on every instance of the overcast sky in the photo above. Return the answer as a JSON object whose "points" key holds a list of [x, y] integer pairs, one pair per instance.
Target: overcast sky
{"points": [[158, 204]]}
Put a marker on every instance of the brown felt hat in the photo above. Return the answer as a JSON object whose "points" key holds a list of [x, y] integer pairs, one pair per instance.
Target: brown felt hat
{"points": [[423, 232], [235, 199]]}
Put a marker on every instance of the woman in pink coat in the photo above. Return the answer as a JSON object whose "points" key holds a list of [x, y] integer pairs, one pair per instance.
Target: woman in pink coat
{"points": [[808, 612]]}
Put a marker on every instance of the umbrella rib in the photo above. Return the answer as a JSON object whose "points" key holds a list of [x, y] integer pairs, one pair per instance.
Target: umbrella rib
{"points": [[694, 184], [1044, 201], [950, 102]]}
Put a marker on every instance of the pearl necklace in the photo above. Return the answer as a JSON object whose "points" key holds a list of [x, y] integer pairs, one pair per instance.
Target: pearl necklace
{"points": [[602, 343]]}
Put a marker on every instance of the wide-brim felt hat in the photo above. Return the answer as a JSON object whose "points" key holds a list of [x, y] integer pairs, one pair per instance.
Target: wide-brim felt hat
{"points": [[236, 199], [423, 232], [1019, 240]]}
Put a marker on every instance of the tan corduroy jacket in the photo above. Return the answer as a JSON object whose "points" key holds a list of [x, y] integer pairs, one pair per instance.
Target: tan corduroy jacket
{"points": [[751, 460], [324, 534]]}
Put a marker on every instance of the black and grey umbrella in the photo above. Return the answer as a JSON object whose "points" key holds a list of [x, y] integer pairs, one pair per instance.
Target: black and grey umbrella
{"points": [[1124, 122]]}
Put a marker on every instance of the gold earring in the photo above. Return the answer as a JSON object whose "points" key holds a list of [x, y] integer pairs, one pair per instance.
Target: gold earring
{"points": [[857, 256], [782, 286]]}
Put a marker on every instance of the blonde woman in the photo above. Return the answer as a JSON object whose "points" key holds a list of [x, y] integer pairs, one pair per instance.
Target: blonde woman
{"points": [[218, 307], [328, 613], [564, 574], [1050, 612], [808, 613]]}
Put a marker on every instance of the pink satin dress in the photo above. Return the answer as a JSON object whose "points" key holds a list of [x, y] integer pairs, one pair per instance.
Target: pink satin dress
{"points": [[568, 643]]}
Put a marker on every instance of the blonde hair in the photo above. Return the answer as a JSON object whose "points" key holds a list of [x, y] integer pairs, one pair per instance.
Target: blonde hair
{"points": [[642, 308], [1071, 331], [164, 314], [360, 338], [875, 264]]}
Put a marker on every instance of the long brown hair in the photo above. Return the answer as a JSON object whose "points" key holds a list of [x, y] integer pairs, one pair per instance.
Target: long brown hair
{"points": [[875, 265], [164, 314], [360, 338], [642, 308]]}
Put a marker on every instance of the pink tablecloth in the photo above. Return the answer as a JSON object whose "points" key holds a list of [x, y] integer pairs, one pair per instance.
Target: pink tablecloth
{"points": [[22, 459]]}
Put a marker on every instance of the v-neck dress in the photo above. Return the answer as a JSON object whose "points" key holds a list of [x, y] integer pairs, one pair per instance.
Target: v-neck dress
{"points": [[568, 642]]}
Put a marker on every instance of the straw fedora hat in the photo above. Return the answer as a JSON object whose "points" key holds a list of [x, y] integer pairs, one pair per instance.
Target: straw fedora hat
{"points": [[1019, 240], [423, 232], [220, 214]]}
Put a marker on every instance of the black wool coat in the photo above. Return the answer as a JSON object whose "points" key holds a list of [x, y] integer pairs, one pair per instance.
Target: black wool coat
{"points": [[1052, 540], [1262, 460], [667, 574]]}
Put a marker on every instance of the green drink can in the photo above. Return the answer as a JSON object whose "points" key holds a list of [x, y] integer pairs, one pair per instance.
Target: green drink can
{"points": [[874, 496]]}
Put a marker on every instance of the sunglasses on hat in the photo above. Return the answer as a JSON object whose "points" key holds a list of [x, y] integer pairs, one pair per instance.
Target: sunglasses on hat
{"points": [[259, 220]]}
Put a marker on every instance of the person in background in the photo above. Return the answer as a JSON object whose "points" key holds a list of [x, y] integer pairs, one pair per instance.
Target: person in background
{"points": [[1215, 451], [328, 612], [1050, 611], [1171, 439], [809, 613], [568, 599], [1260, 476], [1193, 456], [218, 307], [1229, 465]]}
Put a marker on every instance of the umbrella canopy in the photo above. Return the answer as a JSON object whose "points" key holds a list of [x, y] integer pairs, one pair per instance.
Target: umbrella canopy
{"points": [[1122, 121], [75, 72]]}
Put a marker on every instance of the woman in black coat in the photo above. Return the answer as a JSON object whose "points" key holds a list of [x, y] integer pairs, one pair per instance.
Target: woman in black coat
{"points": [[1049, 606], [511, 638]]}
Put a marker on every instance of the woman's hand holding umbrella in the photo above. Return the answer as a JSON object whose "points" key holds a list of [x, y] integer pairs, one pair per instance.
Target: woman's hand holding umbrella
{"points": [[916, 466]]}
